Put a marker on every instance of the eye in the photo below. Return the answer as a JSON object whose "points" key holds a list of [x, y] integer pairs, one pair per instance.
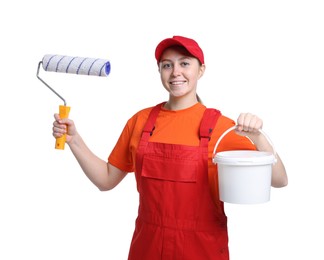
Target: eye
{"points": [[185, 64], [166, 65]]}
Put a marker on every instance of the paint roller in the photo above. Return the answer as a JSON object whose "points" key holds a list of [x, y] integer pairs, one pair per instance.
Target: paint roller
{"points": [[74, 65]]}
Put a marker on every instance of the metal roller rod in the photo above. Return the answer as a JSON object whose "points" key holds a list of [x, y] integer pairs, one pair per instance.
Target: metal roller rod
{"points": [[39, 65]]}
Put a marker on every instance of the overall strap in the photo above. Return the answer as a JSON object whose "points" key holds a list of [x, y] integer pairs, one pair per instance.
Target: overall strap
{"points": [[207, 125], [146, 133], [149, 126]]}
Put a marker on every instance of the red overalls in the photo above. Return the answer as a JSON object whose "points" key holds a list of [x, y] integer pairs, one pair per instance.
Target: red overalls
{"points": [[177, 218]]}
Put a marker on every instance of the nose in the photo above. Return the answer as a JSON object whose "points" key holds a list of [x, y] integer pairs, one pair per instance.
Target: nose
{"points": [[176, 70]]}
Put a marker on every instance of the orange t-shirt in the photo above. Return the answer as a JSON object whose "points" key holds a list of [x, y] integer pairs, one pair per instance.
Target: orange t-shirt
{"points": [[176, 127]]}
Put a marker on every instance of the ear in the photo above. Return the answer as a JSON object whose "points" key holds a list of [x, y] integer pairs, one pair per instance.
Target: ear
{"points": [[201, 70]]}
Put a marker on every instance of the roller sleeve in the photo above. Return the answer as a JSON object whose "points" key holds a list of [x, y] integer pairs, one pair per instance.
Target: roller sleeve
{"points": [[76, 65]]}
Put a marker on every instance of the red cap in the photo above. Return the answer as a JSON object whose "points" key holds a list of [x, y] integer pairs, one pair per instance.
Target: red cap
{"points": [[189, 44]]}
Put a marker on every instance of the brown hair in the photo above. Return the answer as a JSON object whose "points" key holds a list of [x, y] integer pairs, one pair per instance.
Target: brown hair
{"points": [[199, 99]]}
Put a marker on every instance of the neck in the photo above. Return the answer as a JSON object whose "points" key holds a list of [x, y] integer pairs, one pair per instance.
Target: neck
{"points": [[179, 103]]}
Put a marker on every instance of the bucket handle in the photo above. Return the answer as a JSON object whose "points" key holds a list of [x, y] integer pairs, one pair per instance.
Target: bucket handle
{"points": [[233, 128]]}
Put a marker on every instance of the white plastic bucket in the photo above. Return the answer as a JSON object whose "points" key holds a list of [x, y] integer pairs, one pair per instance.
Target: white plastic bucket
{"points": [[244, 176]]}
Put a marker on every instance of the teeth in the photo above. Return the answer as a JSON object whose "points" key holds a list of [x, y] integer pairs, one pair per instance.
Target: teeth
{"points": [[176, 83]]}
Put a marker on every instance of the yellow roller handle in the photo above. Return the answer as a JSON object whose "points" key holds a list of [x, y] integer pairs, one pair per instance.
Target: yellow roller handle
{"points": [[60, 141]]}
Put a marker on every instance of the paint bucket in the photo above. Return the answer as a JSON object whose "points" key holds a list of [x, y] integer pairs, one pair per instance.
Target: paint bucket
{"points": [[244, 176]]}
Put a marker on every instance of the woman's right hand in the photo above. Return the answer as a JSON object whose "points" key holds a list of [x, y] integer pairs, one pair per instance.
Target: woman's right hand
{"points": [[64, 126]]}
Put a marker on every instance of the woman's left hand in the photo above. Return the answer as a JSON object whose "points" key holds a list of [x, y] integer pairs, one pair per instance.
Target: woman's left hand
{"points": [[248, 124]]}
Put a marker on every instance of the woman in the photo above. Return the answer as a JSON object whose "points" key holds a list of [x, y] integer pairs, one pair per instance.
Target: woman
{"points": [[170, 147]]}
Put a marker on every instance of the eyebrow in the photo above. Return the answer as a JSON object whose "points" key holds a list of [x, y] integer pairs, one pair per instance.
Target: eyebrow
{"points": [[182, 58]]}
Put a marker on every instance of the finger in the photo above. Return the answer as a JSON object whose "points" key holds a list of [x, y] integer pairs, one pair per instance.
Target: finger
{"points": [[59, 129], [255, 123], [245, 122], [57, 116], [240, 121], [57, 132], [57, 135], [251, 123], [59, 124]]}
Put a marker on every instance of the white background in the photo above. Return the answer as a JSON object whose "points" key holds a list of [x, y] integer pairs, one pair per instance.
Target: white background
{"points": [[264, 57]]}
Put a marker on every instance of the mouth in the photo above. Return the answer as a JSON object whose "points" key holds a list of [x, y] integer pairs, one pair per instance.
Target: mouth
{"points": [[177, 83]]}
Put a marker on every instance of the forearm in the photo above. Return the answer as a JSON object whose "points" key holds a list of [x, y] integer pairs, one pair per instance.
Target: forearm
{"points": [[279, 176], [94, 168]]}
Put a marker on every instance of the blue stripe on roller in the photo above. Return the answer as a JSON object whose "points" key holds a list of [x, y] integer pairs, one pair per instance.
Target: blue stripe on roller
{"points": [[49, 60], [92, 65], [77, 72], [67, 68], [58, 63], [101, 69]]}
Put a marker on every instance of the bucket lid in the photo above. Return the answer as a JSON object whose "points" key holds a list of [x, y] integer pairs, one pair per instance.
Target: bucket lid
{"points": [[244, 157]]}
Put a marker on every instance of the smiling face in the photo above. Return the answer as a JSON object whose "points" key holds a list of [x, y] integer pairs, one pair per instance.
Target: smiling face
{"points": [[179, 74]]}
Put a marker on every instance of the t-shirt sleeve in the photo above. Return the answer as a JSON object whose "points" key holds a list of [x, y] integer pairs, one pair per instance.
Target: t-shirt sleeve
{"points": [[120, 156], [123, 155]]}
